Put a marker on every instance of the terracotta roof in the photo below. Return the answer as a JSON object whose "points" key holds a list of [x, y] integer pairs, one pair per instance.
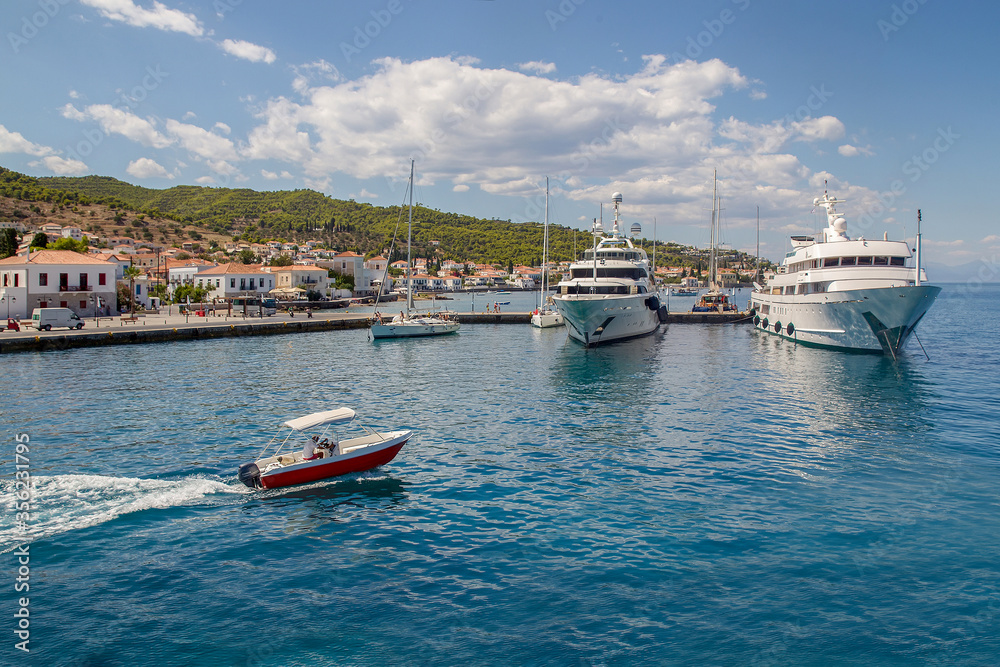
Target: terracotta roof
{"points": [[54, 257], [232, 267]]}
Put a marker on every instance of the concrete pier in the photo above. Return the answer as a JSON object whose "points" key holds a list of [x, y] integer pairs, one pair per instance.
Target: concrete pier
{"points": [[166, 328]]}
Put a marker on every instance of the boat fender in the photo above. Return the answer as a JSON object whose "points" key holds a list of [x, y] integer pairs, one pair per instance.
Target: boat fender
{"points": [[790, 328], [250, 475], [777, 327], [753, 312], [653, 303], [763, 323], [661, 313], [756, 321]]}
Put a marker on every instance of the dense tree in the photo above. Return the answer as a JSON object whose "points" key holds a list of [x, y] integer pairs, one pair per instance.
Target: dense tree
{"points": [[40, 240], [8, 242]]}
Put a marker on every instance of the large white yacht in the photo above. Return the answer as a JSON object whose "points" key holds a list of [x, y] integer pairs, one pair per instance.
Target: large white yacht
{"points": [[610, 294], [838, 292]]}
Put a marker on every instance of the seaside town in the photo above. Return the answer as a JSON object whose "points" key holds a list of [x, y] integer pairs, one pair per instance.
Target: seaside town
{"points": [[98, 275]]}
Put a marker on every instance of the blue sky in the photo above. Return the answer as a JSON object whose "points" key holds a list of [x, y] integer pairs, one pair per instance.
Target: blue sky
{"points": [[892, 103]]}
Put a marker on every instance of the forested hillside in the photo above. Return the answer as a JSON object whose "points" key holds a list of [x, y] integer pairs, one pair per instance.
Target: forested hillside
{"points": [[185, 212]]}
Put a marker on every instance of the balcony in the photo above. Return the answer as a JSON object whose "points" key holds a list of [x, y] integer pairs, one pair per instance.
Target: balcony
{"points": [[75, 288]]}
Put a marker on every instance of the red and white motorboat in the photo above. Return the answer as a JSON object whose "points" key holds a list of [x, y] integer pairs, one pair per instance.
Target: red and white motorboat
{"points": [[289, 463]]}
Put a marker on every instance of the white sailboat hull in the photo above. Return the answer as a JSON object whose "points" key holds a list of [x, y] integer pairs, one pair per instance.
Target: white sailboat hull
{"points": [[414, 329], [871, 320], [594, 319], [545, 319]]}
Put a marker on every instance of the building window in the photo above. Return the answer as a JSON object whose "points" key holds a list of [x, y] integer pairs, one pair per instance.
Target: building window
{"points": [[63, 283], [5, 277], [16, 281], [64, 304], [83, 281], [83, 305], [251, 283], [43, 279], [102, 279], [43, 304], [232, 282]]}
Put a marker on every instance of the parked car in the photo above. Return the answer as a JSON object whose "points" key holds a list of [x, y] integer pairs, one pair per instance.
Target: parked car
{"points": [[44, 319]]}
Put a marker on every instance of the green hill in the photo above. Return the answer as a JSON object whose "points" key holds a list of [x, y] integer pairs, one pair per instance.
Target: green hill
{"points": [[300, 215]]}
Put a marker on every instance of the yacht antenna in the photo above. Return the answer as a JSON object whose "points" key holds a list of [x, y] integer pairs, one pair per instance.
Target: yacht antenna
{"points": [[409, 261], [917, 281]]}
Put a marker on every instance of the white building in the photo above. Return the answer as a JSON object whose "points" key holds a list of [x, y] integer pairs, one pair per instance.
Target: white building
{"points": [[232, 279], [287, 278], [57, 278]]}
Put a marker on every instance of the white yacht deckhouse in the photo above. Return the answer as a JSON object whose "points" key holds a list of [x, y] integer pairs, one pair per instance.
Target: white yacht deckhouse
{"points": [[610, 295], [834, 291]]}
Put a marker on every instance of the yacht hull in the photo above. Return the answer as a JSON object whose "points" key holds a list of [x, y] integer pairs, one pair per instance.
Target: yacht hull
{"points": [[876, 320], [598, 319]]}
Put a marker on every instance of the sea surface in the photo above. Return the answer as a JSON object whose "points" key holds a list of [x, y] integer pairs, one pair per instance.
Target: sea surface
{"points": [[707, 495]]}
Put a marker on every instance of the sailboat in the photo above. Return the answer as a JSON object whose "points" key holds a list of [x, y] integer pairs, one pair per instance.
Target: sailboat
{"points": [[407, 324], [545, 317], [714, 300]]}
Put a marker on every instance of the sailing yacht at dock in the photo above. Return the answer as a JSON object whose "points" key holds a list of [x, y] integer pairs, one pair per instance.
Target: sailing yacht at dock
{"points": [[545, 317], [411, 325]]}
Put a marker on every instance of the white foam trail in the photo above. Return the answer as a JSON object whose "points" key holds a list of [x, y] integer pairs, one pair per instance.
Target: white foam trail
{"points": [[71, 502]]}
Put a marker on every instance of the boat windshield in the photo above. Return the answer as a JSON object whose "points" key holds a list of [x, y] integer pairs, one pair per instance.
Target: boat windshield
{"points": [[629, 273]]}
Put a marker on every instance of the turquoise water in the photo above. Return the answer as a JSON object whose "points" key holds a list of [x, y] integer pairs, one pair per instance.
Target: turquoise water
{"points": [[705, 495]]}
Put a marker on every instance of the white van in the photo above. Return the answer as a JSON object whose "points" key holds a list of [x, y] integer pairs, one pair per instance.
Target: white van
{"points": [[44, 319]]}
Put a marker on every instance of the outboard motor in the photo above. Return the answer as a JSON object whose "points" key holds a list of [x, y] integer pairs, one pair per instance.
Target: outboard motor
{"points": [[250, 475]]}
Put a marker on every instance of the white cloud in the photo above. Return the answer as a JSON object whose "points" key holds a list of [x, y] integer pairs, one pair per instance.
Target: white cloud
{"points": [[145, 167], [14, 142], [160, 16], [61, 166], [847, 150], [318, 70], [222, 127], [117, 121], [269, 175], [652, 134], [205, 180], [248, 51], [538, 67], [201, 142], [189, 115]]}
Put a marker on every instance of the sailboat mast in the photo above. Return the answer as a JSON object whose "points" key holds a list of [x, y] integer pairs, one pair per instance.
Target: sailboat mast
{"points": [[409, 258], [545, 248], [757, 263], [711, 257]]}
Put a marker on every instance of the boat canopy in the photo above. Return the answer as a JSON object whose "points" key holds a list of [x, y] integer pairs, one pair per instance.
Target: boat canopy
{"points": [[338, 416]]}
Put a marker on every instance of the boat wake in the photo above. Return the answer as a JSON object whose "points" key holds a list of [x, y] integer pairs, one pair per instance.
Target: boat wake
{"points": [[63, 503]]}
